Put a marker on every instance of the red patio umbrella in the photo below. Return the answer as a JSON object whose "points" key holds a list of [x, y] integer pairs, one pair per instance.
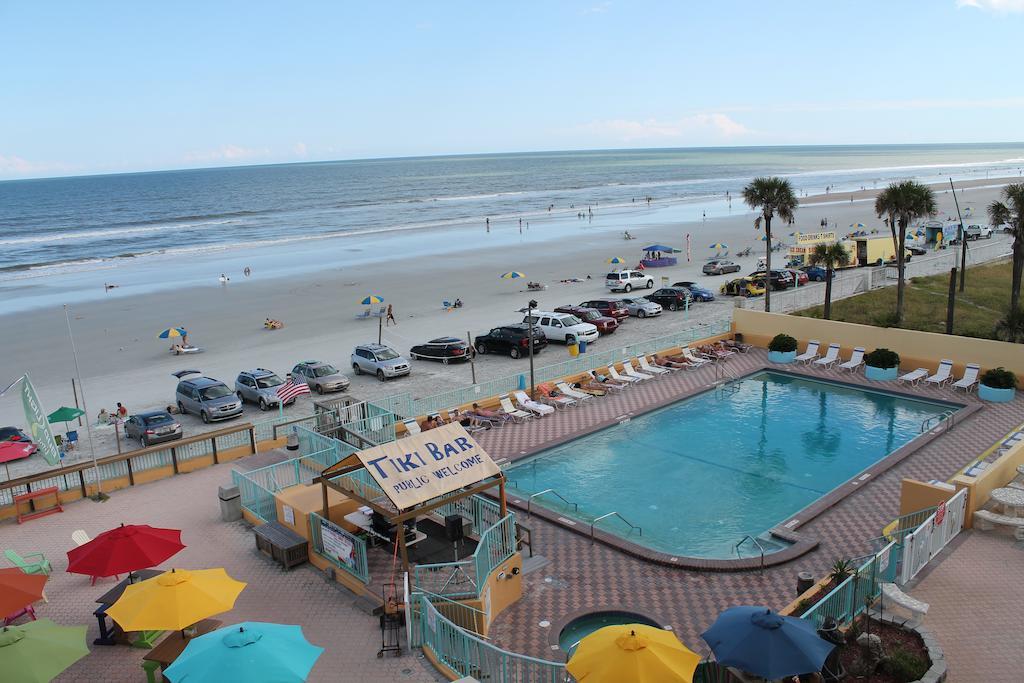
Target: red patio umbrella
{"points": [[124, 550], [19, 590]]}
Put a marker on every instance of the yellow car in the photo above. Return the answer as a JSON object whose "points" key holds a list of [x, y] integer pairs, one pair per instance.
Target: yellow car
{"points": [[743, 286]]}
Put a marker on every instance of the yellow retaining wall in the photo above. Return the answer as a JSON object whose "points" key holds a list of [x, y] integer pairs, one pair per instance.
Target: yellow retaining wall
{"points": [[918, 495], [995, 476], [916, 349]]}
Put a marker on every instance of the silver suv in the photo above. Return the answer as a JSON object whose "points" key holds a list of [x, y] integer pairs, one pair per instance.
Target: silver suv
{"points": [[380, 360], [628, 280], [260, 387], [320, 377], [208, 398]]}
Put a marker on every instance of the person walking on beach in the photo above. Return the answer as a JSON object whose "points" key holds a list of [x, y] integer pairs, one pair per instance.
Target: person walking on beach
{"points": [[488, 220], [391, 317]]}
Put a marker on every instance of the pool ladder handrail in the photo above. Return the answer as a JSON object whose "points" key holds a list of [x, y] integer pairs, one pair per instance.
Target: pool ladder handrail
{"points": [[609, 514], [756, 542], [575, 507], [948, 417], [722, 371]]}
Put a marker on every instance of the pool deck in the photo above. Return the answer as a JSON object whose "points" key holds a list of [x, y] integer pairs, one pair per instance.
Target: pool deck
{"points": [[583, 575]]}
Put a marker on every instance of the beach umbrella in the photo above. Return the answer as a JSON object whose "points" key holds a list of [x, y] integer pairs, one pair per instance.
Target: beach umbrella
{"points": [[64, 414], [251, 651], [172, 333], [718, 245], [18, 589], [858, 226], [761, 642], [512, 275], [175, 600], [795, 234], [616, 260], [39, 650], [124, 550], [632, 652], [372, 299], [658, 247]]}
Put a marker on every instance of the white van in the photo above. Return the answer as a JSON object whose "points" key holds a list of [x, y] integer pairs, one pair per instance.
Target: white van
{"points": [[562, 326], [628, 280]]}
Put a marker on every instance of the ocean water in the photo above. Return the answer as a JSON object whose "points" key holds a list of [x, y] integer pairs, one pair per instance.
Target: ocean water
{"points": [[53, 227]]}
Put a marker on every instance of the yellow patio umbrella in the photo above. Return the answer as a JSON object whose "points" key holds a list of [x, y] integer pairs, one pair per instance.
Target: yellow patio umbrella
{"points": [[175, 600], [632, 652]]}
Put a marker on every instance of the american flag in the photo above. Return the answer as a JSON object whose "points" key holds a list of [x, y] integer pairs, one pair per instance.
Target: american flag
{"points": [[290, 390]]}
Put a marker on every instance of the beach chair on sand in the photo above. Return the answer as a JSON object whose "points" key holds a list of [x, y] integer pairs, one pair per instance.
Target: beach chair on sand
{"points": [[509, 409], [969, 379], [810, 353], [381, 312], [614, 374], [831, 356], [652, 369], [856, 360], [914, 377], [365, 314], [630, 371], [528, 403], [411, 427], [943, 374]]}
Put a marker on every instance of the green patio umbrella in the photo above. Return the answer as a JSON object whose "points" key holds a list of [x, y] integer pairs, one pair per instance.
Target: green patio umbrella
{"points": [[65, 415], [39, 650]]}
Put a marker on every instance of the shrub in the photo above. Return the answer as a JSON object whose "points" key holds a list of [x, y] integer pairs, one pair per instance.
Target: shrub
{"points": [[905, 666], [804, 605], [841, 569], [1011, 328], [999, 378], [882, 358], [782, 343]]}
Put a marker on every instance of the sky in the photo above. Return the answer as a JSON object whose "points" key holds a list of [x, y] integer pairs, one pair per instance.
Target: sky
{"points": [[113, 86]]}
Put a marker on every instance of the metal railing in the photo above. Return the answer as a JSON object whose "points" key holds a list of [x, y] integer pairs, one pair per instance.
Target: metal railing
{"points": [[612, 514], [529, 502], [853, 596], [354, 561], [946, 418], [467, 577], [934, 533], [756, 542]]}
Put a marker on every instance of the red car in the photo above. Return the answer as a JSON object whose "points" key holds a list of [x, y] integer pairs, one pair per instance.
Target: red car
{"points": [[604, 324], [612, 308], [801, 277]]}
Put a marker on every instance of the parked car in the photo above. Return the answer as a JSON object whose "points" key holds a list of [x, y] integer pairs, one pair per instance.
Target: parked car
{"points": [[672, 298], [613, 308], [604, 324], [780, 279], [380, 360], [799, 276], [320, 377], [563, 327], [14, 434], [916, 250], [816, 273], [978, 232], [259, 386], [719, 267], [743, 286], [640, 307], [511, 339], [152, 428], [444, 349], [697, 292], [208, 398], [628, 280]]}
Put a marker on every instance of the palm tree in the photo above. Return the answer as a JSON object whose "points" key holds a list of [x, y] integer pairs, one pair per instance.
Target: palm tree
{"points": [[829, 256], [901, 204], [771, 196], [1011, 213]]}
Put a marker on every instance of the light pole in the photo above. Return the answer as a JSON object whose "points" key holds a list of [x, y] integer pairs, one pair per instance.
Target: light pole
{"points": [[529, 316], [85, 407]]}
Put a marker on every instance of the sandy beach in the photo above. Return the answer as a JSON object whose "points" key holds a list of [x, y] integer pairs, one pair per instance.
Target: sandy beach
{"points": [[122, 360]]}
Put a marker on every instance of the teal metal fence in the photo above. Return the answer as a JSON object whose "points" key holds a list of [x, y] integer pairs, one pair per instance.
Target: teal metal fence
{"points": [[256, 499], [853, 596], [342, 549], [467, 577], [371, 421]]}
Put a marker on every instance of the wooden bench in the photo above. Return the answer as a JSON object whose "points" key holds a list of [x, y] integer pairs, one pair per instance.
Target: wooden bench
{"points": [[282, 544], [892, 593], [31, 497], [986, 520]]}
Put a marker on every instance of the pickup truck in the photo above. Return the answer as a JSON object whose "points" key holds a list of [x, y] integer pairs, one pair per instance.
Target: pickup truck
{"points": [[974, 232]]}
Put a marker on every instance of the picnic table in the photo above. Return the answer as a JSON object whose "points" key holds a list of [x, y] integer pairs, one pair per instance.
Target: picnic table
{"points": [[171, 647], [108, 635], [1011, 499]]}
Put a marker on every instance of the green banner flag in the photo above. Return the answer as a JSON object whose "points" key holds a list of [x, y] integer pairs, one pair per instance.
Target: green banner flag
{"points": [[38, 426]]}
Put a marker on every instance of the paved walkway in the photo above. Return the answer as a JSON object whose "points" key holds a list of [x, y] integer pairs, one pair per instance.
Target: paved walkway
{"points": [[189, 502], [976, 598]]}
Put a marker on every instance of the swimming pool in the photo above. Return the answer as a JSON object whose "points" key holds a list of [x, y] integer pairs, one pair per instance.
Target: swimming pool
{"points": [[701, 474]]}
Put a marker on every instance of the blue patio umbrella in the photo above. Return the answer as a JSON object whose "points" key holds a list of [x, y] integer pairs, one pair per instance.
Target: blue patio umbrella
{"points": [[766, 644], [251, 651], [658, 247], [172, 332]]}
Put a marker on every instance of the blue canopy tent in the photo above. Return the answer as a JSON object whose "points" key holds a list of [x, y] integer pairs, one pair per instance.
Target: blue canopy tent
{"points": [[655, 256]]}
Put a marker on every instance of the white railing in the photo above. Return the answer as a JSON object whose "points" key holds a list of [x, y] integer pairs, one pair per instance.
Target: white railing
{"points": [[925, 542]]}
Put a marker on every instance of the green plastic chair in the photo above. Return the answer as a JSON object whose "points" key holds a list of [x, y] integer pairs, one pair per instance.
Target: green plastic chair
{"points": [[32, 563]]}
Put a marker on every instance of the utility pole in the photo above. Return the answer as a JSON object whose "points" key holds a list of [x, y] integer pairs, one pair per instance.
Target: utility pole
{"points": [[85, 407], [529, 313], [951, 304], [963, 239]]}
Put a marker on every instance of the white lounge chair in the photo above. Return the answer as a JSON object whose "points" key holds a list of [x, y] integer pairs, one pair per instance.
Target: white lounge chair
{"points": [[561, 400], [943, 374], [80, 537], [411, 427], [646, 366], [856, 360], [810, 353], [630, 371], [969, 379], [572, 393], [607, 385], [509, 409], [614, 374], [914, 377], [831, 356], [528, 403], [475, 423], [689, 355]]}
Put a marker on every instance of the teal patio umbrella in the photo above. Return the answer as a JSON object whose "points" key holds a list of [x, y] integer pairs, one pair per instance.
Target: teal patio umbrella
{"points": [[252, 651], [37, 652]]}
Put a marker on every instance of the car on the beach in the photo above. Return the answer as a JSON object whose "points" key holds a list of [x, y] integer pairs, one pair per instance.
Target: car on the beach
{"points": [[697, 292], [799, 276], [444, 349], [780, 279], [380, 360], [978, 232], [640, 307], [206, 397], [260, 386], [511, 339], [816, 273], [323, 378], [628, 280], [14, 434], [152, 428], [563, 327], [613, 308], [672, 298], [917, 250], [743, 286], [605, 324], [719, 267]]}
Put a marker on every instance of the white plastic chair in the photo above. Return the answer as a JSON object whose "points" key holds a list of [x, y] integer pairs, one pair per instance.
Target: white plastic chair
{"points": [[614, 374], [856, 360], [943, 374], [630, 371], [525, 401], [509, 409], [693, 358], [831, 356], [913, 377], [80, 537], [653, 369], [412, 427], [969, 379], [572, 393], [810, 353]]}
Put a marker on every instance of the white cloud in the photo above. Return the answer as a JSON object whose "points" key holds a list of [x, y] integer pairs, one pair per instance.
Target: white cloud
{"points": [[16, 166], [300, 149], [993, 5], [718, 125], [599, 8], [228, 153]]}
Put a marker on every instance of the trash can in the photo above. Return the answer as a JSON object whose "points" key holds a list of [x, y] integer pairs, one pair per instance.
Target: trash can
{"points": [[230, 503], [583, 346], [804, 581], [293, 441], [738, 337]]}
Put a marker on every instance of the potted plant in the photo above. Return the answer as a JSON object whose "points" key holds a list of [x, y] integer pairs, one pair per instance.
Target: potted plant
{"points": [[998, 385], [782, 349], [882, 365]]}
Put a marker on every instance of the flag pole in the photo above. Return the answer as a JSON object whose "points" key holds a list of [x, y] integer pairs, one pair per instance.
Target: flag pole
{"points": [[88, 429]]}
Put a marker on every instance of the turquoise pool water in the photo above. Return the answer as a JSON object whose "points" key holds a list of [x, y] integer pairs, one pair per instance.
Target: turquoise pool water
{"points": [[701, 474], [581, 627]]}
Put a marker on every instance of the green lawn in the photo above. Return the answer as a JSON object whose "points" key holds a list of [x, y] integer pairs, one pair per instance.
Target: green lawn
{"points": [[984, 301]]}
